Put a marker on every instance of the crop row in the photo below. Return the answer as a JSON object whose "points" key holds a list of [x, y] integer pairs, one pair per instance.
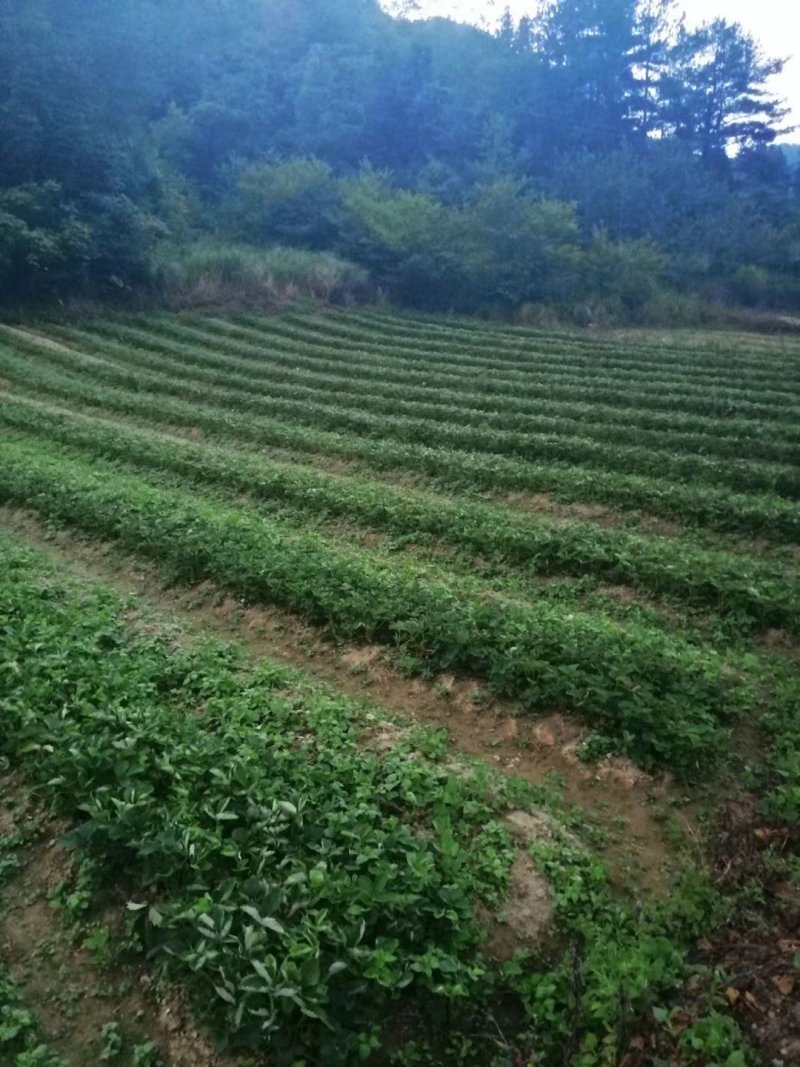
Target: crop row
{"points": [[536, 353], [720, 580], [661, 700], [307, 892], [770, 517], [305, 406], [719, 349], [297, 882], [529, 359], [668, 395], [371, 386], [527, 368]]}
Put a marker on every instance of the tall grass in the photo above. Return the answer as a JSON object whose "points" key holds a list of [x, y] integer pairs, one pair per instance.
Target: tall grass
{"points": [[218, 273]]}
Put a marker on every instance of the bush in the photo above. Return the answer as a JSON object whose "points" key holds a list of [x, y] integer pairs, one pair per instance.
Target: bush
{"points": [[751, 286], [123, 244], [624, 276], [407, 240], [293, 203], [51, 250], [518, 248], [503, 248], [213, 272], [44, 246]]}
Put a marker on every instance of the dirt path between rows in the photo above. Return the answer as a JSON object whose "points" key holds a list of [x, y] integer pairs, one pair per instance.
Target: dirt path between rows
{"points": [[630, 807]]}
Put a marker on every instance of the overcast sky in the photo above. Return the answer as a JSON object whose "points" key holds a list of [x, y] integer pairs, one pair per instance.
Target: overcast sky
{"points": [[776, 23]]}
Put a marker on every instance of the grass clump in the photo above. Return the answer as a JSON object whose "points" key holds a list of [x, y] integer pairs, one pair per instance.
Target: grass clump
{"points": [[218, 273]]}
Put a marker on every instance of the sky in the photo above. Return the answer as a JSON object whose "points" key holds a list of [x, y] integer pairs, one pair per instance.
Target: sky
{"points": [[776, 23]]}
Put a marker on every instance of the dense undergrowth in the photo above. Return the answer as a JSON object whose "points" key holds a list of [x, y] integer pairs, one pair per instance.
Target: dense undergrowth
{"points": [[216, 273]]}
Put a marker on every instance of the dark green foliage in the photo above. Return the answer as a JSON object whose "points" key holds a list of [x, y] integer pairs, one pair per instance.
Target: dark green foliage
{"points": [[293, 203], [44, 247], [578, 160]]}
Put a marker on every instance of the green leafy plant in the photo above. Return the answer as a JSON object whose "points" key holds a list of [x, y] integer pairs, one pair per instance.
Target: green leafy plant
{"points": [[21, 1043]]}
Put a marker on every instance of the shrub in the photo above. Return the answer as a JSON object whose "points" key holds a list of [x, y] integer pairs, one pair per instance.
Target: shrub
{"points": [[213, 272], [751, 285], [518, 248], [623, 276], [44, 246], [294, 203], [502, 248], [123, 244]]}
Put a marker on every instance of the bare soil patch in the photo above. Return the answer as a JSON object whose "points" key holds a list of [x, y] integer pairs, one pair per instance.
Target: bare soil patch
{"points": [[654, 524], [528, 915], [776, 640], [758, 949], [547, 505]]}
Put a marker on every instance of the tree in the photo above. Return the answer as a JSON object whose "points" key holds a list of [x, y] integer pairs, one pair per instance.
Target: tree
{"points": [[44, 246], [122, 120], [588, 47], [518, 248], [716, 94], [294, 203], [653, 35]]}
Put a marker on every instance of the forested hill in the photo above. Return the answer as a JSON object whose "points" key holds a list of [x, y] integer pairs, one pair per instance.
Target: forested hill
{"points": [[598, 152]]}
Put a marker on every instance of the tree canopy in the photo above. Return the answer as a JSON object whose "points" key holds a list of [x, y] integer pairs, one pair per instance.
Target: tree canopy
{"points": [[460, 166]]}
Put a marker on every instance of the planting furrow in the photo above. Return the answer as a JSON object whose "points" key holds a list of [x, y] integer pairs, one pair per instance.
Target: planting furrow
{"points": [[658, 697], [679, 432], [700, 401], [556, 372], [306, 406], [539, 354], [722, 581], [771, 517], [378, 396], [156, 334], [719, 349]]}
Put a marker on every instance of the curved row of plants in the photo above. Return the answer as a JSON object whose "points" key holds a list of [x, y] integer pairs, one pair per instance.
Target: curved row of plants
{"points": [[650, 430], [656, 698], [723, 581], [533, 365], [307, 406], [716, 349], [536, 352], [667, 396], [771, 517]]}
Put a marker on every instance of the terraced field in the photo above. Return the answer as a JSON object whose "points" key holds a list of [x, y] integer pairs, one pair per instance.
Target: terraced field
{"points": [[577, 555]]}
